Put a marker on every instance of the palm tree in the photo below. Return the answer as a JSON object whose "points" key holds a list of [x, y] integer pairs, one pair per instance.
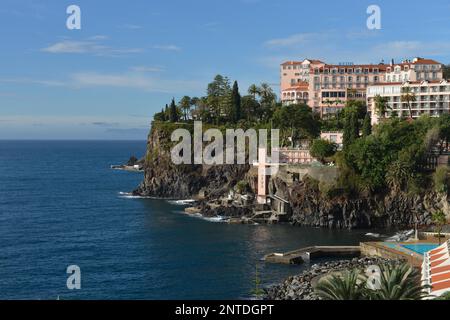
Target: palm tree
{"points": [[381, 106], [408, 96], [266, 93], [254, 90], [185, 105], [398, 282], [439, 220], [350, 285]]}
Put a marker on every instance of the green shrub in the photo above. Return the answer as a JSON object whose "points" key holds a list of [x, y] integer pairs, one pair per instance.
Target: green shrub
{"points": [[441, 179], [242, 187], [321, 149]]}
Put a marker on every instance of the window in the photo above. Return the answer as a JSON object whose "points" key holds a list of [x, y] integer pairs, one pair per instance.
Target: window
{"points": [[350, 79]]}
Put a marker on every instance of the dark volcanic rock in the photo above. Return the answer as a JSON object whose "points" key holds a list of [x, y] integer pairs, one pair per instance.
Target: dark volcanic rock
{"points": [[163, 179], [300, 287], [309, 207]]}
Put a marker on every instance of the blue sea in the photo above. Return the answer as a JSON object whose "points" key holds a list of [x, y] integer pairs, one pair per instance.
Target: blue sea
{"points": [[61, 205]]}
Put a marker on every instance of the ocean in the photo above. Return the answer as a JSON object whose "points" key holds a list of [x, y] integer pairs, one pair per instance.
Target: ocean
{"points": [[62, 205]]}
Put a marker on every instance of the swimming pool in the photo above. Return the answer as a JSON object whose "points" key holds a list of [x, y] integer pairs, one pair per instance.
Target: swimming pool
{"points": [[419, 248]]}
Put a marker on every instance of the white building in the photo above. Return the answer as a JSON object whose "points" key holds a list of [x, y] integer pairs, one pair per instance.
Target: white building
{"points": [[418, 69], [431, 97]]}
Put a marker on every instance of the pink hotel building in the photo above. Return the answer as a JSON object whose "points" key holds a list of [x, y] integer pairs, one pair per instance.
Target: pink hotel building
{"points": [[326, 88]]}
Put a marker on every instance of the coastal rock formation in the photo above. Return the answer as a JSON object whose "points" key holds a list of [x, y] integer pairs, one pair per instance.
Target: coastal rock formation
{"points": [[309, 206], [163, 179], [301, 287]]}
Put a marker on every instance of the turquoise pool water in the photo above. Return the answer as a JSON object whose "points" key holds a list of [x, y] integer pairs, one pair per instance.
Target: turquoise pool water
{"points": [[420, 248]]}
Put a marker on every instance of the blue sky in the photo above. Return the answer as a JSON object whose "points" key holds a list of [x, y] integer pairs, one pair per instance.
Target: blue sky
{"points": [[106, 80]]}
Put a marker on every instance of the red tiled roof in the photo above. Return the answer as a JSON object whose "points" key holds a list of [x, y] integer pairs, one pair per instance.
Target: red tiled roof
{"points": [[437, 256], [440, 269], [313, 61], [362, 66], [440, 277], [291, 62], [437, 250], [437, 263], [424, 61], [441, 285]]}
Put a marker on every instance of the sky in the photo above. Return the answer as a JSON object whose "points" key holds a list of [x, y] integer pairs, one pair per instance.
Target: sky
{"points": [[130, 58]]}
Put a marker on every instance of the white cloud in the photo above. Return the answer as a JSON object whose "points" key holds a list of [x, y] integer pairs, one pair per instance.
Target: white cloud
{"points": [[168, 47], [91, 46], [293, 40], [44, 82], [135, 81], [147, 69], [402, 49], [333, 47]]}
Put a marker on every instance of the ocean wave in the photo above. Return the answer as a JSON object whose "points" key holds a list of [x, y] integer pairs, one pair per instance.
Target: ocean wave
{"points": [[373, 235], [218, 219], [181, 202], [129, 195]]}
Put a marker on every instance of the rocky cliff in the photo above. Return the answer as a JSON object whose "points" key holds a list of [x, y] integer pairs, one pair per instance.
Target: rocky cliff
{"points": [[163, 179], [309, 206]]}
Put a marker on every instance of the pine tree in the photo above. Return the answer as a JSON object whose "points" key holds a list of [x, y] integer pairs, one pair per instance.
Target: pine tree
{"points": [[166, 112], [351, 128], [236, 103], [173, 111], [367, 126]]}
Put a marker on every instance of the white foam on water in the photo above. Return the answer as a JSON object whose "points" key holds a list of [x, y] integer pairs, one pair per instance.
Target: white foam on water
{"points": [[373, 235], [198, 215], [181, 202], [129, 195]]}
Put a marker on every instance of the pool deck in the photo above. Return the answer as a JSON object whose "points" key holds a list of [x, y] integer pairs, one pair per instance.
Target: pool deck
{"points": [[394, 250], [313, 252], [387, 250]]}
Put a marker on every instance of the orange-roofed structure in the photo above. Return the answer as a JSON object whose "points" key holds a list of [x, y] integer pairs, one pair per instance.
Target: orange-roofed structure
{"points": [[436, 270]]}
